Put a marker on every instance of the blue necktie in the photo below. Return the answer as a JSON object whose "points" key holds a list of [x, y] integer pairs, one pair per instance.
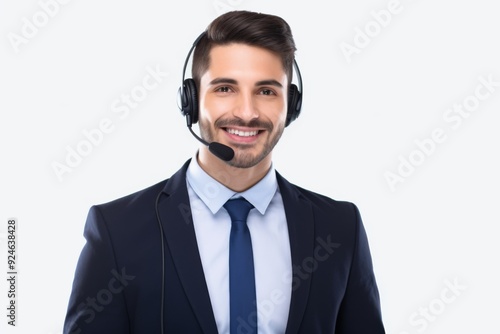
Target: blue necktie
{"points": [[243, 309]]}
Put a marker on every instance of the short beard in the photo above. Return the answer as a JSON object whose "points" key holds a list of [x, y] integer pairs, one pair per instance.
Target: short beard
{"points": [[241, 158]]}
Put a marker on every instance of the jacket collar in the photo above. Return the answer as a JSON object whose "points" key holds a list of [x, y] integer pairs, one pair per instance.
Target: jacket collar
{"points": [[300, 220], [175, 213]]}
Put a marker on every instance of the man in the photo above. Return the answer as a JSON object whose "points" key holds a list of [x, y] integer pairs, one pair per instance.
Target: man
{"points": [[175, 258]]}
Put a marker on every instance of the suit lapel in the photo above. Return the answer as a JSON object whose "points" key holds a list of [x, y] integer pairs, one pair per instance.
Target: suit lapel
{"points": [[175, 213], [300, 220]]}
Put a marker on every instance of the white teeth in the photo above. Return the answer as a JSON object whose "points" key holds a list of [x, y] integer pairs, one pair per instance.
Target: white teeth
{"points": [[242, 133]]}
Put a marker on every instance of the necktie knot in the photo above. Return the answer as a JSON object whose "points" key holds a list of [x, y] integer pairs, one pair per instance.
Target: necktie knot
{"points": [[238, 209]]}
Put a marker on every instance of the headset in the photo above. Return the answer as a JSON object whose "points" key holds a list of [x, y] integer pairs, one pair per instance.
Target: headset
{"points": [[187, 95]]}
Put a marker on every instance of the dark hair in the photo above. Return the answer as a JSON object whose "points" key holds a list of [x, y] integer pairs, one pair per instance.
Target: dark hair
{"points": [[256, 29]]}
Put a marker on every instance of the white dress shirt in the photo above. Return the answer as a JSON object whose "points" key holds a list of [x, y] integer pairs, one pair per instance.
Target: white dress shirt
{"points": [[270, 245]]}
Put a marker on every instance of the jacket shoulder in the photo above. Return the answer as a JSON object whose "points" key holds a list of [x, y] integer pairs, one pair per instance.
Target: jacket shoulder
{"points": [[148, 196], [322, 200], [317, 200], [141, 197]]}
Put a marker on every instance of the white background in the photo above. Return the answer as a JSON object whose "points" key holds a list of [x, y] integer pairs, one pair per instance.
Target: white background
{"points": [[361, 115]]}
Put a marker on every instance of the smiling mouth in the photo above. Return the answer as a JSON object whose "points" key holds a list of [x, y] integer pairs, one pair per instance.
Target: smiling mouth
{"points": [[241, 133]]}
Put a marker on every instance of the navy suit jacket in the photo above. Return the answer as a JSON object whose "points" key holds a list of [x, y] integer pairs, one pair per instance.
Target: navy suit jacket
{"points": [[117, 283]]}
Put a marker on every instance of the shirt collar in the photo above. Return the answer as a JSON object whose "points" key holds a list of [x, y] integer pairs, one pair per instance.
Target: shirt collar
{"points": [[214, 194]]}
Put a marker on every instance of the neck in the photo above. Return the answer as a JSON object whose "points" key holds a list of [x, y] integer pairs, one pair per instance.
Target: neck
{"points": [[235, 178]]}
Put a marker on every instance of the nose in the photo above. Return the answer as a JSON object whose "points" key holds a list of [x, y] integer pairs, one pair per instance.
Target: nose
{"points": [[246, 108]]}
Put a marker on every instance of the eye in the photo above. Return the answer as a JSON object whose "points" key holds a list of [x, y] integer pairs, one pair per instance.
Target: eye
{"points": [[223, 89], [267, 92]]}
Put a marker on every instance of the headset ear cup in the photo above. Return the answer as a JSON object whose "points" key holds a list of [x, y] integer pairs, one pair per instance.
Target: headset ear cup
{"points": [[190, 101], [294, 104]]}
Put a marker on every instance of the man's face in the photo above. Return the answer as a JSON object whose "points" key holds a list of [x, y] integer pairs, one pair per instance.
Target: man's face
{"points": [[243, 101]]}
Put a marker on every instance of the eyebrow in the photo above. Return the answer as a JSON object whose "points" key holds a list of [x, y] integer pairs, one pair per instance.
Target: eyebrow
{"points": [[270, 82]]}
